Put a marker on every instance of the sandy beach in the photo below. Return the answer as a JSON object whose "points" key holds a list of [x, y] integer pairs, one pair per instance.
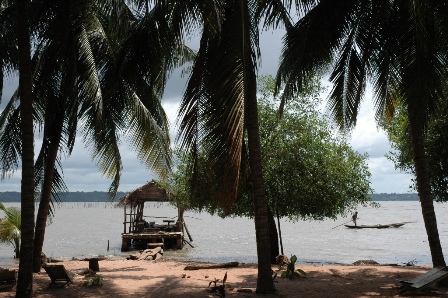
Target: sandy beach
{"points": [[166, 278]]}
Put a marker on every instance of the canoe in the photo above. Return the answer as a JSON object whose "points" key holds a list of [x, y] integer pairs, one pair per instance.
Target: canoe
{"points": [[384, 226]]}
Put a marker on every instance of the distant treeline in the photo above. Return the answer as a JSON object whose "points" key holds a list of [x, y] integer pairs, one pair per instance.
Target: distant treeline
{"points": [[395, 197], [78, 196], [100, 196]]}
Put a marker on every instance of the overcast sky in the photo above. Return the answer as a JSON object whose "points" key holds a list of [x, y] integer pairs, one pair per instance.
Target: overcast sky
{"points": [[81, 174]]}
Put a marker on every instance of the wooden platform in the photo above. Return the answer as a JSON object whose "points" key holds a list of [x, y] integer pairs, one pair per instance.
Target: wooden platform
{"points": [[152, 237], [423, 281]]}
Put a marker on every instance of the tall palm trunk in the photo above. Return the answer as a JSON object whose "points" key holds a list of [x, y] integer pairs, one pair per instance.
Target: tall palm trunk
{"points": [[25, 277], [44, 205], [424, 187], [264, 281], [53, 131]]}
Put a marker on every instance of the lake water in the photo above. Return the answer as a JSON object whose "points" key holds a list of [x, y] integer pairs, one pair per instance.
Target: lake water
{"points": [[83, 229]]}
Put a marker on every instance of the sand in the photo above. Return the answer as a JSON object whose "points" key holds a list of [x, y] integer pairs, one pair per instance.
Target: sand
{"points": [[167, 278]]}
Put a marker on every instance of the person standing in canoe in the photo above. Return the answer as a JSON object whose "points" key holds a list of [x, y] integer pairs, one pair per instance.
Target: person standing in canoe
{"points": [[355, 217]]}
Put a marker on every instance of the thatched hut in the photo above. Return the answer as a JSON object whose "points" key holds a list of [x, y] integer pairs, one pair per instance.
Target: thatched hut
{"points": [[135, 226]]}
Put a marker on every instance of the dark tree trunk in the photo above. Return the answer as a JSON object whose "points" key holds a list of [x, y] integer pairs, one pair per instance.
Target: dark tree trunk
{"points": [[264, 282], [25, 277], [424, 187], [273, 236], [280, 234], [44, 205], [53, 130]]}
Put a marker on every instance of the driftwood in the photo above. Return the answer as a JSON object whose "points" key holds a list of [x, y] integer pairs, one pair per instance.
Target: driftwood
{"points": [[188, 233], [148, 254], [188, 243], [212, 266], [424, 281]]}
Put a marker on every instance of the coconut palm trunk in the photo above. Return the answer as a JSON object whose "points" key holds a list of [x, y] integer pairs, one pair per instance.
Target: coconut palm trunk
{"points": [[25, 277], [264, 281], [44, 204], [220, 109], [424, 189]]}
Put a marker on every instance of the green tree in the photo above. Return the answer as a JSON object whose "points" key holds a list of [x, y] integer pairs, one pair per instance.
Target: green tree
{"points": [[10, 227], [400, 46], [436, 147], [309, 172]]}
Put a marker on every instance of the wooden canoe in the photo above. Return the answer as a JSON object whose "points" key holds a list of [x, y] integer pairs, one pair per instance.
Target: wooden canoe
{"points": [[384, 226]]}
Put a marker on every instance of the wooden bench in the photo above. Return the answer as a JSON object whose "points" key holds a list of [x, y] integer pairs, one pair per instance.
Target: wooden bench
{"points": [[168, 221], [8, 278], [58, 275]]}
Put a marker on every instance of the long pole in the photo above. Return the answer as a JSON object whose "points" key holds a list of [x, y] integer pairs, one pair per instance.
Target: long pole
{"points": [[342, 224]]}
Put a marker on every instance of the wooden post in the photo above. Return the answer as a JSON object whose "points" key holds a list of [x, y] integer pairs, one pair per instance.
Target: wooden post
{"points": [[179, 225], [125, 244], [94, 265], [188, 233], [132, 218], [124, 222], [179, 242]]}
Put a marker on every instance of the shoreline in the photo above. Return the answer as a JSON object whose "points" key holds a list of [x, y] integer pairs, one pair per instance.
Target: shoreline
{"points": [[167, 278], [12, 262]]}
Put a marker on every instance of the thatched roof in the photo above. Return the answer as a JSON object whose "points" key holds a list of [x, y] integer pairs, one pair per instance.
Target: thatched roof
{"points": [[150, 192]]}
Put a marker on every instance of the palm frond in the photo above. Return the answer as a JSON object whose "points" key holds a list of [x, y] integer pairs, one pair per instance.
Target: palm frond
{"points": [[213, 107], [275, 13], [8, 43], [309, 46], [10, 144], [10, 225]]}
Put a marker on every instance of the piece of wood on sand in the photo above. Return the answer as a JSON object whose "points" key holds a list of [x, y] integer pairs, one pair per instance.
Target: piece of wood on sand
{"points": [[212, 266], [148, 254], [425, 280]]}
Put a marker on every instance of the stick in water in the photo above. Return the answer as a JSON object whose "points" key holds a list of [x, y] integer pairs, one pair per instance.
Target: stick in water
{"points": [[342, 224]]}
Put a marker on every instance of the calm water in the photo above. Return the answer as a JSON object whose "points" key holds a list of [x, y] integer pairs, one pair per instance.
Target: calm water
{"points": [[83, 229]]}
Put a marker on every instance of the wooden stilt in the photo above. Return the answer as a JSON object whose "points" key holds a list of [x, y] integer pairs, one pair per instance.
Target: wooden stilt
{"points": [[188, 233]]}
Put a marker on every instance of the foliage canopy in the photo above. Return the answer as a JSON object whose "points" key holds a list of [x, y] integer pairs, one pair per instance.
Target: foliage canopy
{"points": [[436, 147], [309, 171]]}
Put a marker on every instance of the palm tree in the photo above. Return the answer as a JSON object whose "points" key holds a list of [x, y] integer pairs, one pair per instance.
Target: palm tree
{"points": [[219, 109], [64, 64], [398, 45], [10, 227], [136, 111], [72, 71], [25, 276]]}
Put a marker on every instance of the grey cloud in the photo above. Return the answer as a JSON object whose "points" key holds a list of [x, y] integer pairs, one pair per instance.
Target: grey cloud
{"points": [[81, 174]]}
